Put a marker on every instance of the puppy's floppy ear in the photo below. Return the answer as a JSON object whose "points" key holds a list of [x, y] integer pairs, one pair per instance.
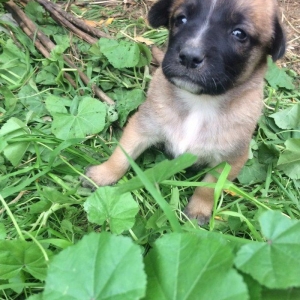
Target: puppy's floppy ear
{"points": [[159, 13], [279, 41]]}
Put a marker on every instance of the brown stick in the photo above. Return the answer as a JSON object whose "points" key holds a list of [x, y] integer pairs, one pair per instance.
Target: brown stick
{"points": [[77, 22], [45, 45], [25, 22], [64, 22], [37, 42]]}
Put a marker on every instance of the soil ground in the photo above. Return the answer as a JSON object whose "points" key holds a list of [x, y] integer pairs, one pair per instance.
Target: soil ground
{"points": [[291, 19]]}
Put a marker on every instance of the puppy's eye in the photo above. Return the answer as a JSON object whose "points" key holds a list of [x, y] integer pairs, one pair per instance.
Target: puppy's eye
{"points": [[180, 20], [239, 34]]}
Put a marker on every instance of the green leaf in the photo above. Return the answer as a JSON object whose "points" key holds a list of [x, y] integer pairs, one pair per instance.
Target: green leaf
{"points": [[288, 118], [17, 256], [290, 294], [254, 288], [57, 52], [35, 11], [106, 204], [289, 160], [32, 99], [15, 151], [10, 100], [127, 101], [121, 54], [89, 119], [183, 266], [267, 153], [268, 127], [100, 266], [56, 104], [252, 172], [265, 261], [277, 78], [47, 75]]}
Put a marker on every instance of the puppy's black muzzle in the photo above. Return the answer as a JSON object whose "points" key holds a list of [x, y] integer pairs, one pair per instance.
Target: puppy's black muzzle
{"points": [[191, 57]]}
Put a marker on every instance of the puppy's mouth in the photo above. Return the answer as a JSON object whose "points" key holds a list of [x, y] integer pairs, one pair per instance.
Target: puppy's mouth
{"points": [[202, 79], [186, 83]]}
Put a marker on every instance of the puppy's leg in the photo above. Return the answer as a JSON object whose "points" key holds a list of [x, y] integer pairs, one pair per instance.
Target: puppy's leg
{"points": [[201, 203], [133, 142]]}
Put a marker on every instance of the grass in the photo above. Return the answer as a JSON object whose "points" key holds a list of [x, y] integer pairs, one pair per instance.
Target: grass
{"points": [[41, 193]]}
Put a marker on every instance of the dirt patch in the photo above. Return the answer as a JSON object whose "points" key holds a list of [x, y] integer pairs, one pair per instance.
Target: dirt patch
{"points": [[291, 20]]}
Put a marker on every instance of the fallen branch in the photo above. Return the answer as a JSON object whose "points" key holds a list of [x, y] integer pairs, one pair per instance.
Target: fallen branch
{"points": [[45, 46], [77, 22], [65, 22]]}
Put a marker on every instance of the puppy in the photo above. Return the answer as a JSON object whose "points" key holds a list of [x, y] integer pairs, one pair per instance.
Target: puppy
{"points": [[206, 97]]}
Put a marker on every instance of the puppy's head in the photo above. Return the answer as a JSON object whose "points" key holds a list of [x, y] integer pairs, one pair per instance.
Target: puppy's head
{"points": [[215, 45]]}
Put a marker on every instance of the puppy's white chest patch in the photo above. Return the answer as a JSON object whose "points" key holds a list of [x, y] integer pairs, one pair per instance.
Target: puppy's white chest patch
{"points": [[190, 129], [196, 132]]}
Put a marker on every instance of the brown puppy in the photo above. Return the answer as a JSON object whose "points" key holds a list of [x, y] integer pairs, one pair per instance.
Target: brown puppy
{"points": [[207, 96]]}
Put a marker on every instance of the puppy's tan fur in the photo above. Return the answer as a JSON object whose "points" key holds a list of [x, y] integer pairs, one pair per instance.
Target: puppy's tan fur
{"points": [[215, 128]]}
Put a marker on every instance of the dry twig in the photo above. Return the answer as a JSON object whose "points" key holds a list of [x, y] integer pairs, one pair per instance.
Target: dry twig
{"points": [[45, 46]]}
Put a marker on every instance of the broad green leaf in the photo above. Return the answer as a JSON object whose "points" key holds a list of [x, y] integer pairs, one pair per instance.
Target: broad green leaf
{"points": [[121, 54], [32, 99], [107, 204], [288, 118], [277, 78], [267, 153], [47, 75], [89, 119], [18, 282], [289, 294], [100, 266], [265, 261], [269, 128], [183, 266], [56, 104], [252, 172], [127, 101], [17, 256], [254, 288], [15, 151], [289, 160]]}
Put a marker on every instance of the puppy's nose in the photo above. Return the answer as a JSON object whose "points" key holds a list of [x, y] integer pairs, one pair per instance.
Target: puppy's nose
{"points": [[191, 57]]}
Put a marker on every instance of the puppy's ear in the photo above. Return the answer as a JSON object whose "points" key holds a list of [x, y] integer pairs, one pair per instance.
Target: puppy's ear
{"points": [[279, 41], [159, 13]]}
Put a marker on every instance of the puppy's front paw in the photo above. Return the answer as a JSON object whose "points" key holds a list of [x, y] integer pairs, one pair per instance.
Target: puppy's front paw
{"points": [[200, 206], [197, 214], [102, 175]]}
